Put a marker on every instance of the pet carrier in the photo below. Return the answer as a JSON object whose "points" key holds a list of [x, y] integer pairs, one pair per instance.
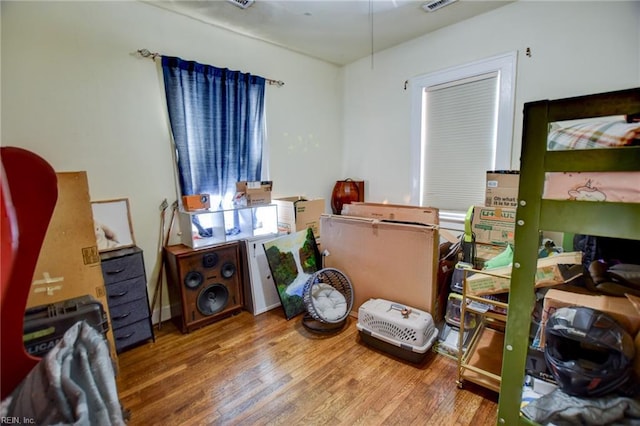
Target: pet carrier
{"points": [[405, 332]]}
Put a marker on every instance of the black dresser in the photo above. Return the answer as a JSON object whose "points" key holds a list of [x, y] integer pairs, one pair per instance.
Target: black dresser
{"points": [[126, 285]]}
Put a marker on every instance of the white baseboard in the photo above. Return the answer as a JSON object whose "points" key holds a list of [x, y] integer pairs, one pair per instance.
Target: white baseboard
{"points": [[266, 308], [166, 314]]}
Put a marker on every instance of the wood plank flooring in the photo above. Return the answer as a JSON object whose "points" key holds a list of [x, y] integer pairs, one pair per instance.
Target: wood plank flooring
{"points": [[265, 370]]}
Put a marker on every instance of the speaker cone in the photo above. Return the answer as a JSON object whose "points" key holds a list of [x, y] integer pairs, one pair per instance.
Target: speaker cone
{"points": [[228, 269], [212, 299], [209, 260], [193, 279]]}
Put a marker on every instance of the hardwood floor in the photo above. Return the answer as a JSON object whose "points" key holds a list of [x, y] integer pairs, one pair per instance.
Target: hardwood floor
{"points": [[264, 370]]}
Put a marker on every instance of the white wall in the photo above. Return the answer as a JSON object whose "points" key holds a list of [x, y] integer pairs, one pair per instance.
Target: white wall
{"points": [[577, 48], [74, 92]]}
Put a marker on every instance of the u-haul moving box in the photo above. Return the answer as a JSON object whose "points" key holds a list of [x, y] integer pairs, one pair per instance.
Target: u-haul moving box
{"points": [[502, 188], [494, 225]]}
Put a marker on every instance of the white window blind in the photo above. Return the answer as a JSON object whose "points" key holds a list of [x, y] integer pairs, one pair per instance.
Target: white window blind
{"points": [[460, 144], [461, 127]]}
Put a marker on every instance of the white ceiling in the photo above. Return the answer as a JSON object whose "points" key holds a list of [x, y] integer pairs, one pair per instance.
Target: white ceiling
{"points": [[337, 31]]}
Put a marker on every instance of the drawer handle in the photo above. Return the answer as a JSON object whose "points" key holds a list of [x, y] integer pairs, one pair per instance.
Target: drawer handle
{"points": [[116, 271], [113, 296], [122, 316], [127, 336]]}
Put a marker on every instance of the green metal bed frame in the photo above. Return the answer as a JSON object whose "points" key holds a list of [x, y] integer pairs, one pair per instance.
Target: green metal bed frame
{"points": [[620, 220]]}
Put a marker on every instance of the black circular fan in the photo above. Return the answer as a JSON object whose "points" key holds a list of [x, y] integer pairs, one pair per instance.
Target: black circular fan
{"points": [[328, 298]]}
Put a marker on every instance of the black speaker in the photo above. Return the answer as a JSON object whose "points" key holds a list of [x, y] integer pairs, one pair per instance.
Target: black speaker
{"points": [[209, 260], [205, 285], [193, 279], [212, 299]]}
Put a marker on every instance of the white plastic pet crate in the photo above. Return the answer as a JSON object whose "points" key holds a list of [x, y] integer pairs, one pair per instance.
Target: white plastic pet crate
{"points": [[401, 330]]}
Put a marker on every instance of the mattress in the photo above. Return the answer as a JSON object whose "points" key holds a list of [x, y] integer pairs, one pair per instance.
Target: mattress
{"points": [[593, 134], [622, 187]]}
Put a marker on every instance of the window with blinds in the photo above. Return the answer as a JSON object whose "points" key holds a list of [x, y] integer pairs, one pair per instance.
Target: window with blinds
{"points": [[462, 125]]}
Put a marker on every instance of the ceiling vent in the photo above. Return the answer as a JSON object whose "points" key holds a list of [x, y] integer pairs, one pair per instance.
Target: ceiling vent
{"points": [[436, 4], [243, 4]]}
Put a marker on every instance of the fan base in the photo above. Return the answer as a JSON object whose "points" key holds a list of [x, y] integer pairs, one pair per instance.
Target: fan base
{"points": [[316, 326]]}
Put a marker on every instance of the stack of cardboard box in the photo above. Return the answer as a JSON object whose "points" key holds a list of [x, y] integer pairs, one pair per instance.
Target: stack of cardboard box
{"points": [[493, 226], [494, 223]]}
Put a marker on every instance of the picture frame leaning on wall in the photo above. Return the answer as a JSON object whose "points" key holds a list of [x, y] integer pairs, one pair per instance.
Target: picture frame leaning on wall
{"points": [[112, 224]]}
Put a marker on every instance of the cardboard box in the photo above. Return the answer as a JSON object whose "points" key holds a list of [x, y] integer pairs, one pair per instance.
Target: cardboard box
{"points": [[549, 272], [620, 309], [298, 213], [493, 225], [69, 261], [502, 188], [396, 212], [485, 252], [384, 260], [255, 192]]}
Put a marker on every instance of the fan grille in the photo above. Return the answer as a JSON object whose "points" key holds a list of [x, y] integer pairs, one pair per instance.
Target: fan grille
{"points": [[243, 4], [402, 334], [436, 4]]}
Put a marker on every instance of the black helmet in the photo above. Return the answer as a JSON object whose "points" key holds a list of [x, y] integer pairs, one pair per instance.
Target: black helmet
{"points": [[587, 351]]}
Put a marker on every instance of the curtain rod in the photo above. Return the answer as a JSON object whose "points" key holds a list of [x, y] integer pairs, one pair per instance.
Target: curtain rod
{"points": [[145, 53]]}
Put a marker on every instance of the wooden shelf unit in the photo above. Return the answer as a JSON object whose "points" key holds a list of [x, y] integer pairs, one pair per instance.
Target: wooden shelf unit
{"points": [[481, 363]]}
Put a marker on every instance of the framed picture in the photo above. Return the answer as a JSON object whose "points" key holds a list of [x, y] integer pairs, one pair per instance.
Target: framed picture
{"points": [[293, 259], [112, 224]]}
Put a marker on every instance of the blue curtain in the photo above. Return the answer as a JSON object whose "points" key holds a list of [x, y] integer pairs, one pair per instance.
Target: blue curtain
{"points": [[217, 120]]}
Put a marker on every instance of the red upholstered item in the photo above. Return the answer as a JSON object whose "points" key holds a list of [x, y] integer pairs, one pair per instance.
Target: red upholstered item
{"points": [[29, 195], [8, 232]]}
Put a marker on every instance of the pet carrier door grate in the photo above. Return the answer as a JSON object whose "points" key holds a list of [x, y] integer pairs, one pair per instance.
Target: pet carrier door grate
{"points": [[401, 334]]}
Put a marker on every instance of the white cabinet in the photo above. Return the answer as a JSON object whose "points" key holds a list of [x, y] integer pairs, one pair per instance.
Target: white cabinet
{"points": [[259, 289]]}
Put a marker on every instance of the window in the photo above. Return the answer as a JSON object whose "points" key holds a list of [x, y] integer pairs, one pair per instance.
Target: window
{"points": [[461, 126], [218, 126]]}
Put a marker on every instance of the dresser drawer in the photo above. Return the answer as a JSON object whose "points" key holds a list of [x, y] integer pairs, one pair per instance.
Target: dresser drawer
{"points": [[122, 268], [128, 313], [126, 291], [132, 334]]}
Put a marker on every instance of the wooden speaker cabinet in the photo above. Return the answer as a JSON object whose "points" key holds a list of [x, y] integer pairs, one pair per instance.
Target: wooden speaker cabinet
{"points": [[204, 285]]}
